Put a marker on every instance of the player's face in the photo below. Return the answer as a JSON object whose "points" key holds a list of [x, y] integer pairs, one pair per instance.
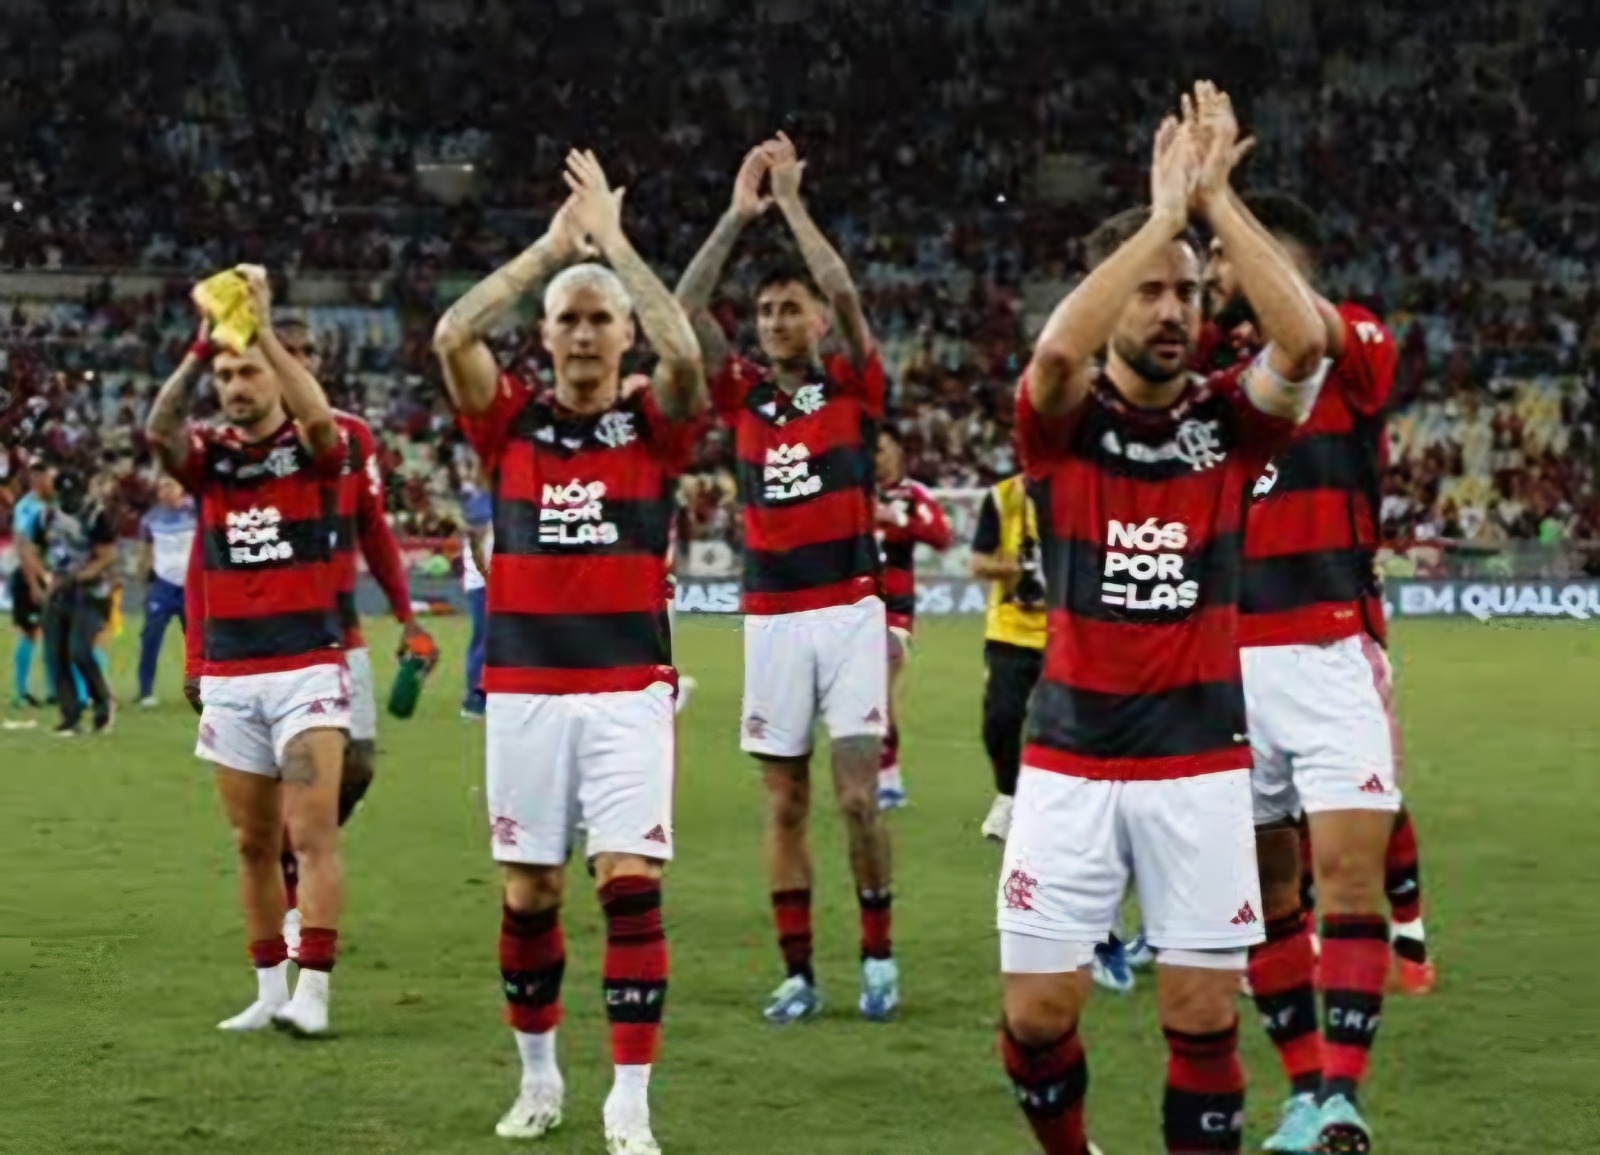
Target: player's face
{"points": [[169, 492], [790, 322], [891, 460], [1156, 333], [1224, 302], [587, 335], [302, 348], [246, 385]]}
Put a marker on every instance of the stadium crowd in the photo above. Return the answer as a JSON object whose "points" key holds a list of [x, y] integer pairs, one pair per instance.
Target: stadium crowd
{"points": [[1445, 153]]}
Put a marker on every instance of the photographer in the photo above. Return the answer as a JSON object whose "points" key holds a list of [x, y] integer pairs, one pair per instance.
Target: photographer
{"points": [[1005, 550], [77, 540]]}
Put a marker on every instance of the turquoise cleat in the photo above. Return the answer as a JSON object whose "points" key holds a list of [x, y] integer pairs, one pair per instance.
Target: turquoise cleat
{"points": [[792, 1002], [1342, 1130], [1299, 1132], [880, 989]]}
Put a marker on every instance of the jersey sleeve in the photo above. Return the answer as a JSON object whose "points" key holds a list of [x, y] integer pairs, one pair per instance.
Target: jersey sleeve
{"points": [[868, 384], [378, 544], [489, 432], [1365, 372], [1044, 440], [190, 472], [1260, 435], [986, 537], [730, 385], [671, 441], [928, 522], [327, 464]]}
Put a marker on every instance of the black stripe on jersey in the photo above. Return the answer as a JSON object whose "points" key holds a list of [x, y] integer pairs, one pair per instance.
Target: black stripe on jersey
{"points": [[578, 641], [900, 604], [1319, 461], [1200, 441], [807, 566], [1290, 581], [1076, 579], [526, 528], [271, 635], [840, 468], [898, 554], [1196, 719], [345, 604], [307, 541], [345, 526]]}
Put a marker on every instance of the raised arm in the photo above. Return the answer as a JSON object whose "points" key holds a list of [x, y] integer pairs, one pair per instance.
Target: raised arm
{"points": [[1061, 371], [303, 396], [679, 382], [1284, 304], [699, 281], [167, 425], [827, 267], [470, 371]]}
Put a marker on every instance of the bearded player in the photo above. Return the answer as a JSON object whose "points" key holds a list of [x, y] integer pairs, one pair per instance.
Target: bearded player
{"points": [[273, 677], [578, 675], [804, 430], [907, 515], [1137, 764], [1320, 698]]}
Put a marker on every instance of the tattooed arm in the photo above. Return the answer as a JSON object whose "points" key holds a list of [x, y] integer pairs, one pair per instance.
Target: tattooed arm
{"points": [[680, 380], [470, 371], [303, 395], [822, 259], [699, 280], [167, 426]]}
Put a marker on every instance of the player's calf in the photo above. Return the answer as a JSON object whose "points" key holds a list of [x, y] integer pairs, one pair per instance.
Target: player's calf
{"points": [[1203, 1106], [635, 985], [311, 769], [1402, 883], [360, 764], [1039, 1044], [533, 960]]}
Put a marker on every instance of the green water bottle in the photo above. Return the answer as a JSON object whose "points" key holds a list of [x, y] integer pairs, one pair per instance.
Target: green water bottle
{"points": [[416, 662]]}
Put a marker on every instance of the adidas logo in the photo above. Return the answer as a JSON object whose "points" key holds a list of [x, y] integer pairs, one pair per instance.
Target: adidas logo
{"points": [[874, 715], [1373, 785], [1245, 917], [656, 835], [317, 707]]}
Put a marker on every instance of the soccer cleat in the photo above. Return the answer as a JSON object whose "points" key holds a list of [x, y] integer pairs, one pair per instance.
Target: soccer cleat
{"points": [[66, 730], [796, 999], [1413, 978], [686, 688], [1341, 1130], [1140, 954], [1110, 967], [471, 714], [1297, 1132], [271, 997], [536, 1112], [891, 798], [291, 931], [997, 826], [632, 1140], [149, 702], [880, 989], [306, 1015], [104, 719], [1093, 1150]]}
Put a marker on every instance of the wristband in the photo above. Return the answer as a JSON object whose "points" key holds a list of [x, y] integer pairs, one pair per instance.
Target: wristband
{"points": [[201, 349]]}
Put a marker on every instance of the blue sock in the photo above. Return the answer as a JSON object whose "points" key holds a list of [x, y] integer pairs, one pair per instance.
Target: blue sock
{"points": [[22, 665]]}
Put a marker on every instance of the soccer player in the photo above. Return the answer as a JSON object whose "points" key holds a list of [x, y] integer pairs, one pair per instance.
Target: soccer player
{"points": [[166, 538], [1137, 761], [579, 675], [1319, 696], [814, 619], [906, 514], [273, 680], [30, 582], [1005, 552]]}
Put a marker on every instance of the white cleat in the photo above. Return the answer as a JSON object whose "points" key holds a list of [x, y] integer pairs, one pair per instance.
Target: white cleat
{"points": [[1093, 1150], [634, 1139], [306, 1014], [997, 826], [291, 932], [272, 997], [149, 702], [686, 688], [536, 1112]]}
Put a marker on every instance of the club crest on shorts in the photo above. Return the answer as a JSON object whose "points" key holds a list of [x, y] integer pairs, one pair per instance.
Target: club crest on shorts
{"points": [[1019, 890], [755, 726], [503, 829], [1246, 915]]}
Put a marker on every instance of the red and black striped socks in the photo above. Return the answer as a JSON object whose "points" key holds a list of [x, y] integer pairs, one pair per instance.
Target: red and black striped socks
{"points": [[1283, 981], [635, 978], [876, 912], [1355, 967], [791, 910], [318, 949], [1050, 1082], [1203, 1111], [266, 953], [533, 960], [1402, 882]]}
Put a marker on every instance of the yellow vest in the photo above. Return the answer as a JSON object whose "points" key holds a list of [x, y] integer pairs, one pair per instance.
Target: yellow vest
{"points": [[1008, 621]]}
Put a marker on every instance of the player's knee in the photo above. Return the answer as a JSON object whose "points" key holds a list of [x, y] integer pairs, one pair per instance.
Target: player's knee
{"points": [[1278, 861], [788, 800], [1201, 1003], [531, 889], [258, 843], [610, 867], [1038, 1011]]}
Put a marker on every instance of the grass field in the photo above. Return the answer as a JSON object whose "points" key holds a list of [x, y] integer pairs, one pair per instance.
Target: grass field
{"points": [[120, 942]]}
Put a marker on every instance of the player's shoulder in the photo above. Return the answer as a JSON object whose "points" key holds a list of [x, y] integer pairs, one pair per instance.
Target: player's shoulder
{"points": [[1356, 313], [352, 425]]}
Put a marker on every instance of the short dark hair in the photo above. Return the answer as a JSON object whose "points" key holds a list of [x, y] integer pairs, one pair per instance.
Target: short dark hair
{"points": [[1111, 234], [787, 273], [1284, 215]]}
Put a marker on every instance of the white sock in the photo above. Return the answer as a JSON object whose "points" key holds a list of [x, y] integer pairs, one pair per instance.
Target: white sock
{"points": [[538, 1055], [632, 1082], [1411, 930], [312, 985], [889, 778], [272, 984]]}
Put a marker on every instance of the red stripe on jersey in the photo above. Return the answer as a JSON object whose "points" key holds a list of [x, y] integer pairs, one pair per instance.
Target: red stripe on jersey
{"points": [[1116, 657], [541, 584], [620, 680], [823, 520], [845, 593], [1136, 769], [1305, 521]]}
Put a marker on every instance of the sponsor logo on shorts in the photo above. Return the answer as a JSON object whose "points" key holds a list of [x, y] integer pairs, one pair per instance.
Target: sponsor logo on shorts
{"points": [[1019, 890], [874, 715], [1245, 917], [317, 707], [1374, 785], [503, 830], [755, 726], [657, 834]]}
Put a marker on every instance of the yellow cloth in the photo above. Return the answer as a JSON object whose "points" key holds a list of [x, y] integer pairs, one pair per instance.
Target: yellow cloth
{"points": [[225, 298], [1019, 526]]}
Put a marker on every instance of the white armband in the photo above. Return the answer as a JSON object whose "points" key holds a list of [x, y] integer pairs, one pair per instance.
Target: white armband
{"points": [[1289, 399]]}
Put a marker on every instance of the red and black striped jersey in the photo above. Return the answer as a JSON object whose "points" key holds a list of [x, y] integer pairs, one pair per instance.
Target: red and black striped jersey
{"points": [[267, 582], [362, 525], [808, 482], [908, 515], [583, 508], [1311, 541], [1141, 519]]}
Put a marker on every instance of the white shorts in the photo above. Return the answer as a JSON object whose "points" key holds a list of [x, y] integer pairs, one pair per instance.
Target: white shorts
{"points": [[248, 719], [1322, 728], [833, 661], [1187, 843], [605, 760], [363, 697]]}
